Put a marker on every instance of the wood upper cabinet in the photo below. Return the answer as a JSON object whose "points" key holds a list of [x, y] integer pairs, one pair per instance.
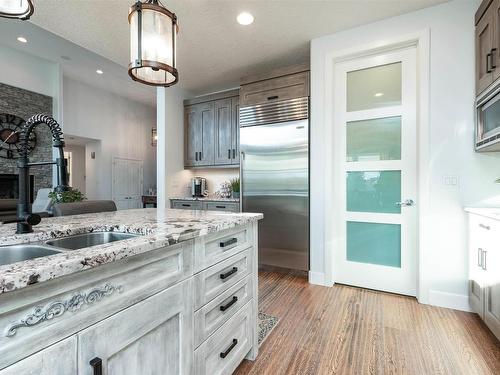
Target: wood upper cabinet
{"points": [[199, 133], [223, 132], [235, 130], [487, 39], [157, 332], [211, 130]]}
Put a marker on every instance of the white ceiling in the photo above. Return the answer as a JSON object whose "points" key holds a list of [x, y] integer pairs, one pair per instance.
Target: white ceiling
{"points": [[213, 50]]}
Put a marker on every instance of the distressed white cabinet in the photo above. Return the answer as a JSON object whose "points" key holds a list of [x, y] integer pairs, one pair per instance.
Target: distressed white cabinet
{"points": [[58, 359], [156, 333], [484, 269]]}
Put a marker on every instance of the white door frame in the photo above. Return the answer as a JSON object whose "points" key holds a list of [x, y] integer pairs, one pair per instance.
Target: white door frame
{"points": [[113, 174], [420, 40]]}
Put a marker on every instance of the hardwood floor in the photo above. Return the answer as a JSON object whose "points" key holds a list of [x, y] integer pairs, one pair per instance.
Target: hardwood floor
{"points": [[347, 330]]}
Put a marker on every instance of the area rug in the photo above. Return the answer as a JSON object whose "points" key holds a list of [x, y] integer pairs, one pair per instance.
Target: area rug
{"points": [[266, 325]]}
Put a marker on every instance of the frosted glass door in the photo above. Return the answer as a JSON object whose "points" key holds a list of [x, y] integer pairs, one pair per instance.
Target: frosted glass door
{"points": [[376, 128]]}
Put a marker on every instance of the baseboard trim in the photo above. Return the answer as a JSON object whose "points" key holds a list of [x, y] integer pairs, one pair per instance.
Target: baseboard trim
{"points": [[317, 278], [449, 300]]}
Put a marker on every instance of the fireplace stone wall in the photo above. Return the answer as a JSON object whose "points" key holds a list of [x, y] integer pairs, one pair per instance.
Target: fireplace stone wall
{"points": [[24, 103]]}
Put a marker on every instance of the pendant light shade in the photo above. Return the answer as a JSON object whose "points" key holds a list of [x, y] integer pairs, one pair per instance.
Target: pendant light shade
{"points": [[20, 9], [153, 32]]}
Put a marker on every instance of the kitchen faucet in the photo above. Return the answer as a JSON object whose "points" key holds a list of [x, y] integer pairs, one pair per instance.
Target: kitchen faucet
{"points": [[25, 218]]}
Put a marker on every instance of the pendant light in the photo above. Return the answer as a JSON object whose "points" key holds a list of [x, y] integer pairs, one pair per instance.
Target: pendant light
{"points": [[153, 32], [20, 9]]}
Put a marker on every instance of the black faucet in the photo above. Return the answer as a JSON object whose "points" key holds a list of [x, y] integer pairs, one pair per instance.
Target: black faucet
{"points": [[25, 218]]}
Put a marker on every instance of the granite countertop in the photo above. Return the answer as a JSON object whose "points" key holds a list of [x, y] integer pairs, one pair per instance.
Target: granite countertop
{"points": [[207, 199], [158, 228], [490, 212]]}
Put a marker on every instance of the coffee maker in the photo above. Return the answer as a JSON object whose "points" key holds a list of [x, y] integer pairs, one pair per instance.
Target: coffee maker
{"points": [[198, 187]]}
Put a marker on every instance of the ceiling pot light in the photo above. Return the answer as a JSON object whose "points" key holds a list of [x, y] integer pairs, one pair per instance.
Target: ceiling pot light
{"points": [[99, 71], [17, 9], [245, 18], [153, 33], [22, 39], [378, 94]]}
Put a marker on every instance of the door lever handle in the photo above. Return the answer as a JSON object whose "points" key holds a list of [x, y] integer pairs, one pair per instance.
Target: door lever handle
{"points": [[405, 203]]}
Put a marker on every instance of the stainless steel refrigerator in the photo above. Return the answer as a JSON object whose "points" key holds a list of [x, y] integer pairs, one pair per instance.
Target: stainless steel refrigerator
{"points": [[274, 144]]}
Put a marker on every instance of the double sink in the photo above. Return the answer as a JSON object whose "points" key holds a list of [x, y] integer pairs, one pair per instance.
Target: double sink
{"points": [[17, 253]]}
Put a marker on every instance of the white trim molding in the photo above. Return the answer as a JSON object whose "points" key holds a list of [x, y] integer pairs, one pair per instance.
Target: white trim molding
{"points": [[449, 300]]}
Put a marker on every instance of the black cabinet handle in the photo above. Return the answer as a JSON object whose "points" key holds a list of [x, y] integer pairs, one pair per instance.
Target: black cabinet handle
{"points": [[234, 153], [228, 350], [186, 205], [96, 364], [488, 59], [220, 206], [272, 97], [227, 242], [232, 271], [493, 66], [229, 153], [196, 156], [229, 304], [201, 157]]}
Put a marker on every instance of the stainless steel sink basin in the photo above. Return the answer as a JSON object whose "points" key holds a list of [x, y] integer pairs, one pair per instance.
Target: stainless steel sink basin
{"points": [[89, 239], [18, 253]]}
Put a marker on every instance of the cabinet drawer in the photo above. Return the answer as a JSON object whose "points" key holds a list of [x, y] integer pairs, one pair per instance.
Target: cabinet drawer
{"points": [[275, 89], [187, 205], [211, 316], [64, 306], [216, 279], [226, 348], [222, 206], [216, 247]]}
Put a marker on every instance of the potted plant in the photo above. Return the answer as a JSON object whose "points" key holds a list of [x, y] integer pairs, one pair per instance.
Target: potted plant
{"points": [[235, 187], [68, 196]]}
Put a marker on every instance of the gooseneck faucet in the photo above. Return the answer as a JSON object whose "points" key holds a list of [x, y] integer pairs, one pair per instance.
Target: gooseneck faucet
{"points": [[25, 218]]}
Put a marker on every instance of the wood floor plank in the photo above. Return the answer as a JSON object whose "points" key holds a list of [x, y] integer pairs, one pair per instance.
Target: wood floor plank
{"points": [[346, 330]]}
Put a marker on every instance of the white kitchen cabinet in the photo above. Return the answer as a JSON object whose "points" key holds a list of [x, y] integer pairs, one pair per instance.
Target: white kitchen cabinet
{"points": [[157, 331], [58, 359], [484, 269]]}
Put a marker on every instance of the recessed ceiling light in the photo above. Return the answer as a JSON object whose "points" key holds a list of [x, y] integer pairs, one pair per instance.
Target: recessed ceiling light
{"points": [[99, 71], [22, 39], [245, 18], [378, 94]]}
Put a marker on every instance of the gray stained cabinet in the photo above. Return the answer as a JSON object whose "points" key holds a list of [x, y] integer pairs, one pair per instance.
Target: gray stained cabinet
{"points": [[487, 40], [212, 132]]}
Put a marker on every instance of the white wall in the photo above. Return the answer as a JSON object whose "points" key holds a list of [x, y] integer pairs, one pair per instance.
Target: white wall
{"points": [[443, 266], [32, 73], [122, 126]]}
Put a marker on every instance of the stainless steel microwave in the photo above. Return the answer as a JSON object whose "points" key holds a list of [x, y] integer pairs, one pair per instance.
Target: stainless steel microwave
{"points": [[488, 121]]}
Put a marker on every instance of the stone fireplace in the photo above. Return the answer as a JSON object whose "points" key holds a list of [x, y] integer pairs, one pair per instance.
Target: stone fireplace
{"points": [[24, 104]]}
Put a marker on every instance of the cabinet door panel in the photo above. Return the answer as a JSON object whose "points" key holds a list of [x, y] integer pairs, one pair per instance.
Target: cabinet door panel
{"points": [[484, 44], [492, 288], [496, 37], [478, 242], [58, 359], [223, 132], [191, 134], [206, 150], [235, 134], [147, 338]]}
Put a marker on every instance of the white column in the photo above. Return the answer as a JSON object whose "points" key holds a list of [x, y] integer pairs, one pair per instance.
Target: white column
{"points": [[161, 147]]}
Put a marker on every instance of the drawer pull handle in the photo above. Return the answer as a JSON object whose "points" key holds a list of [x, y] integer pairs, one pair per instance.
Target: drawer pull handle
{"points": [[483, 266], [220, 206], [229, 304], [224, 276], [228, 350], [186, 205], [480, 257], [274, 97], [227, 242], [96, 364], [487, 227]]}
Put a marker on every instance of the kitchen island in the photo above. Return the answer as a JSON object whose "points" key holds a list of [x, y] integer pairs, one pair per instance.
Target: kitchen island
{"points": [[178, 298]]}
